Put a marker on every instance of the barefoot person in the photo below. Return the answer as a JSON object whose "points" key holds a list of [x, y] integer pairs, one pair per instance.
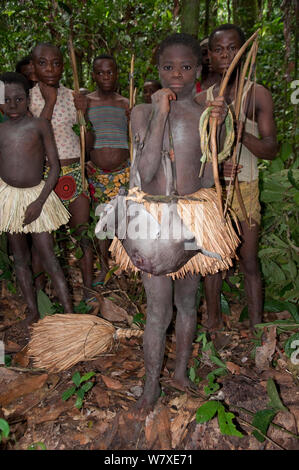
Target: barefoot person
{"points": [[173, 107], [27, 203], [258, 141], [108, 168], [53, 101]]}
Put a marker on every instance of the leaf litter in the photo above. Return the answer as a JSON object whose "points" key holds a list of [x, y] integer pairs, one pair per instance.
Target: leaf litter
{"points": [[31, 400]]}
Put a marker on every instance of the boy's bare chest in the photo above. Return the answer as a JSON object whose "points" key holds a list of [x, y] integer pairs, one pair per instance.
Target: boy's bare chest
{"points": [[182, 134]]}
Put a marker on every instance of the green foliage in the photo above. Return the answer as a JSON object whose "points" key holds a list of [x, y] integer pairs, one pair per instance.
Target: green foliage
{"points": [[263, 418], [278, 252], [208, 348], [82, 307], [225, 419], [79, 389], [4, 429], [44, 304], [37, 446]]}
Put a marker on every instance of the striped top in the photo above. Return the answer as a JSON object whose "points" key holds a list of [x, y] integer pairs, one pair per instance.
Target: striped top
{"points": [[110, 124]]}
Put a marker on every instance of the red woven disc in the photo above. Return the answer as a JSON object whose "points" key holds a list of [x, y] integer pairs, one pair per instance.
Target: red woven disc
{"points": [[66, 187]]}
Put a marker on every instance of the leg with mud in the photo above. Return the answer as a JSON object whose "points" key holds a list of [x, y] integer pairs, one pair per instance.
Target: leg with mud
{"points": [[21, 254], [212, 287], [43, 244], [159, 313], [185, 300]]}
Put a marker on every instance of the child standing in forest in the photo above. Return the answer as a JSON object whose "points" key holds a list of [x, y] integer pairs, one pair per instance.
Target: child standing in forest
{"points": [[27, 203], [53, 101], [108, 168], [173, 107]]}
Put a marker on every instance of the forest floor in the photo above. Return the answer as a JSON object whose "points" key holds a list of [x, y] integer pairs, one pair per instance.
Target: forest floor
{"points": [[31, 399]]}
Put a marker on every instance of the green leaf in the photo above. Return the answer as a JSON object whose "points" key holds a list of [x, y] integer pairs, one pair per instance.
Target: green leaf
{"points": [[76, 378], [286, 150], [224, 305], [80, 393], [68, 393], [273, 305], [262, 420], [87, 376], [87, 386], [192, 374], [4, 428], [44, 304], [275, 402], [109, 274], [79, 253], [79, 403], [207, 411], [244, 314], [226, 425], [217, 361], [36, 446]]}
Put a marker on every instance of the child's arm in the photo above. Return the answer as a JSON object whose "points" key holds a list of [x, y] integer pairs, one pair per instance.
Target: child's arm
{"points": [[153, 145], [34, 209]]}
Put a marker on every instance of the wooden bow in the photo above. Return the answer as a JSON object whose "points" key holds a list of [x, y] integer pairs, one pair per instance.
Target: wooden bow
{"points": [[238, 104]]}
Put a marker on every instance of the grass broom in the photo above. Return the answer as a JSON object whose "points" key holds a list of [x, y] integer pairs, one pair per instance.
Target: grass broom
{"points": [[60, 341]]}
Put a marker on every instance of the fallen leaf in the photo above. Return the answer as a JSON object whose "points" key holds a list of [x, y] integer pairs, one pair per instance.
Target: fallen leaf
{"points": [[110, 311], [264, 353], [111, 383], [163, 425], [233, 368], [22, 386], [22, 357], [11, 347], [50, 413], [101, 396], [131, 365], [178, 427]]}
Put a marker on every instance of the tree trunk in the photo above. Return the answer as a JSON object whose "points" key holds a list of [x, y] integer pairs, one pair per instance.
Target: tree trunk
{"points": [[190, 17]]}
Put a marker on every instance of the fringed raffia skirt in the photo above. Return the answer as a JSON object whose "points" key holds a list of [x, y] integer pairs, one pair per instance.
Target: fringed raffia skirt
{"points": [[13, 205], [202, 217]]}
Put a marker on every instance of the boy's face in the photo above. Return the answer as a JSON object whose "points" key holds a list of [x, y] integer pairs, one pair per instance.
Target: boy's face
{"points": [[225, 46], [148, 89], [105, 74], [48, 65], [16, 101], [178, 69]]}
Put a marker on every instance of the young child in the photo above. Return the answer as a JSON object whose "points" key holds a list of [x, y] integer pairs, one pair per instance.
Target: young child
{"points": [[178, 61], [53, 101], [27, 203], [150, 87], [258, 141], [108, 168]]}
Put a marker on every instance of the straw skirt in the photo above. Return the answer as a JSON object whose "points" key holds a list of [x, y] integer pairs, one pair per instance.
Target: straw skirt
{"points": [[13, 205], [211, 232]]}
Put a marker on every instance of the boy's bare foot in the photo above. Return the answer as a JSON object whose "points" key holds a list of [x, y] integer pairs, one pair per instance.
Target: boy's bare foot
{"points": [[147, 401]]}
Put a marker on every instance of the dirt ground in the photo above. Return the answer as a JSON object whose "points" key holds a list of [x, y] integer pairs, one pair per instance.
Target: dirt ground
{"points": [[31, 399]]}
